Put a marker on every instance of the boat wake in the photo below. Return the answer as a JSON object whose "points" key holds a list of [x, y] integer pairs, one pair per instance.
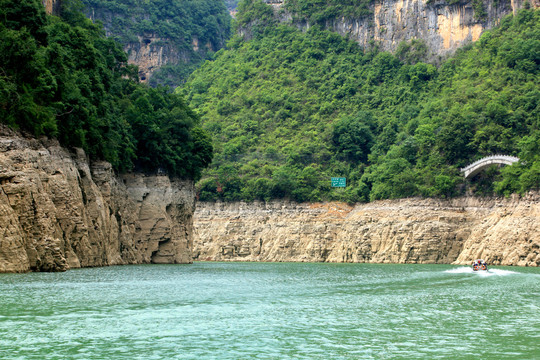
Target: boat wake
{"points": [[460, 270], [489, 272]]}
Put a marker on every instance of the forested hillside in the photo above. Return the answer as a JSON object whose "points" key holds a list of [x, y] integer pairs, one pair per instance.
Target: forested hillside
{"points": [[61, 77], [177, 24], [320, 11], [288, 110]]}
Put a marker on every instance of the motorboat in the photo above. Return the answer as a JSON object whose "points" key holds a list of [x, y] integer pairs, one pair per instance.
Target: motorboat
{"points": [[479, 264]]}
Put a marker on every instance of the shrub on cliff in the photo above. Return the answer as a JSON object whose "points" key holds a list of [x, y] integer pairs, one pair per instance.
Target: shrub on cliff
{"points": [[321, 11]]}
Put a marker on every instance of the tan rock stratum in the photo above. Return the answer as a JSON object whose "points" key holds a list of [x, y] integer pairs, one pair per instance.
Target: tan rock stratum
{"points": [[59, 211], [501, 231], [52, 6], [443, 26]]}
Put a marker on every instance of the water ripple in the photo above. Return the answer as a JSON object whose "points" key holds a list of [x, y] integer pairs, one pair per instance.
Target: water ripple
{"points": [[271, 311]]}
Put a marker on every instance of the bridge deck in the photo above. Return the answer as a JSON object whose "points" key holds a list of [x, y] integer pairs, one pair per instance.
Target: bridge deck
{"points": [[477, 166]]}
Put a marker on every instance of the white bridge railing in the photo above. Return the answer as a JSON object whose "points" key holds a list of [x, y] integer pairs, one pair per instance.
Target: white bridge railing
{"points": [[477, 166]]}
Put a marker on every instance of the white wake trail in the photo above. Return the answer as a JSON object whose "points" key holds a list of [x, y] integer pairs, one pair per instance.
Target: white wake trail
{"points": [[460, 270], [489, 272], [500, 272]]}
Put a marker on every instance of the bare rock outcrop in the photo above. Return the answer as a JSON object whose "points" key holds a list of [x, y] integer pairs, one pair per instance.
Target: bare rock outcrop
{"points": [[58, 211], [443, 27], [151, 53], [52, 6], [502, 231]]}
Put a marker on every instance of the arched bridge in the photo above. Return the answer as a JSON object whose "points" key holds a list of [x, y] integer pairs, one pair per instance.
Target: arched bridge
{"points": [[477, 166]]}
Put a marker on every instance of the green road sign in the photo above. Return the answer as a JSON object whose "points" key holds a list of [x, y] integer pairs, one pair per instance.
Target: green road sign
{"points": [[339, 182]]}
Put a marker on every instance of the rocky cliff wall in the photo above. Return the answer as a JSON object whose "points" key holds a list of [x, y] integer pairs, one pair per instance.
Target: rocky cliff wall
{"points": [[501, 231], [443, 27], [147, 49], [58, 212], [151, 52], [52, 6]]}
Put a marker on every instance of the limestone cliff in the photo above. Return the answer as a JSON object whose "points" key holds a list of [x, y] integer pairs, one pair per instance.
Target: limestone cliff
{"points": [[151, 52], [148, 51], [501, 231], [52, 6], [58, 211], [442, 26], [166, 41]]}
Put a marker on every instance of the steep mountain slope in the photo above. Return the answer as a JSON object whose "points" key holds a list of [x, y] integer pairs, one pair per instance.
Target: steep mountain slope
{"points": [[167, 40], [442, 25], [289, 109], [63, 78], [67, 87]]}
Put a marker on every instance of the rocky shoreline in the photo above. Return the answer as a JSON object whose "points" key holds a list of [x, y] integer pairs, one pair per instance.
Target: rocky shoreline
{"points": [[59, 211], [503, 231]]}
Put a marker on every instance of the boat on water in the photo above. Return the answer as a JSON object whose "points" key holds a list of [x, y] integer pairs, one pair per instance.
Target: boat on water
{"points": [[479, 264]]}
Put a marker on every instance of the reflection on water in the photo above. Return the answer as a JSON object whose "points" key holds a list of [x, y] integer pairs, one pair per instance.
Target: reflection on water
{"points": [[271, 311]]}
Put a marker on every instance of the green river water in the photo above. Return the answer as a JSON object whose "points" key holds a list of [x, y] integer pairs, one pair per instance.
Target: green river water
{"points": [[272, 311]]}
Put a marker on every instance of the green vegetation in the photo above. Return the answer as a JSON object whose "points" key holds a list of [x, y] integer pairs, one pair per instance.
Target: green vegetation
{"points": [[60, 76], [254, 16], [176, 22], [320, 11], [290, 109]]}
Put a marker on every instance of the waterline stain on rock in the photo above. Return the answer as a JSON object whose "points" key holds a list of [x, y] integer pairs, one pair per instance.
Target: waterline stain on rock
{"points": [[428, 231]]}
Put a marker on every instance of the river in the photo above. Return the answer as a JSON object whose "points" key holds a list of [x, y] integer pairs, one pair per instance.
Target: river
{"points": [[271, 311]]}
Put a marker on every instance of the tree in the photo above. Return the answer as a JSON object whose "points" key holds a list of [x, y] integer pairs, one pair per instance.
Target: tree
{"points": [[353, 138]]}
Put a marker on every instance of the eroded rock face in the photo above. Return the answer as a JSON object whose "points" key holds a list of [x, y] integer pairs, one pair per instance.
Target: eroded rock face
{"points": [[51, 6], [151, 53], [58, 212], [441, 26], [501, 231]]}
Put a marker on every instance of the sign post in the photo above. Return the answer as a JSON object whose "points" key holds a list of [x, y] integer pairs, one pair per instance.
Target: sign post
{"points": [[338, 182]]}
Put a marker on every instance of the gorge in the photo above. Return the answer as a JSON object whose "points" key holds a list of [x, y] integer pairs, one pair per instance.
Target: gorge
{"points": [[60, 210]]}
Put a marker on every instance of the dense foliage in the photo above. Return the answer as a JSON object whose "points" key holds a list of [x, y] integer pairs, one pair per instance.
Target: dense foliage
{"points": [[176, 22], [60, 76], [290, 109], [320, 11]]}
